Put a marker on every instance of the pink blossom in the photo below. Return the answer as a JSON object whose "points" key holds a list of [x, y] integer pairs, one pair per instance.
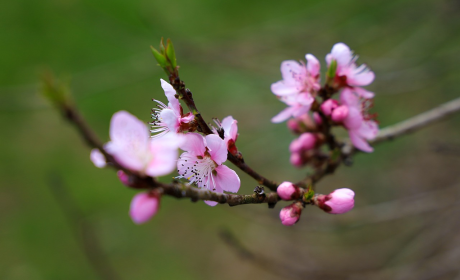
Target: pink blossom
{"points": [[97, 158], [132, 147], [201, 163], [290, 215], [288, 191], [359, 122], [300, 83], [347, 73], [306, 141], [171, 117], [337, 202], [230, 127], [144, 206]]}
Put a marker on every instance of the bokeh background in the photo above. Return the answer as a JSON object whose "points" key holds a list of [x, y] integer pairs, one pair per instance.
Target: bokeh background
{"points": [[62, 218]]}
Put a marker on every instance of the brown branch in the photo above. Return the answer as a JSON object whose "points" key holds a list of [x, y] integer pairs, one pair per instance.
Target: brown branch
{"points": [[418, 122], [389, 133], [186, 95]]}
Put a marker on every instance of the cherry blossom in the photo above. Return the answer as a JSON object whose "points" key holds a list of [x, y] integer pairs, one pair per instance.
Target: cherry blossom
{"points": [[359, 123], [347, 73], [201, 163], [298, 87], [169, 117], [132, 147]]}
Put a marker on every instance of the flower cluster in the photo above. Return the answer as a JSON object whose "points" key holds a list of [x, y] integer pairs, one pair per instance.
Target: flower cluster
{"points": [[311, 106]]}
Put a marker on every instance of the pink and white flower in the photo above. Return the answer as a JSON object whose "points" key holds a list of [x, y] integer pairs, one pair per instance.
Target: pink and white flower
{"points": [[144, 206], [132, 147], [298, 87], [169, 117], [201, 163], [347, 73], [337, 202], [359, 123]]}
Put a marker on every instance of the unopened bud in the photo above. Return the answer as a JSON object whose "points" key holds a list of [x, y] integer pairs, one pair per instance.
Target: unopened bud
{"points": [[296, 160], [337, 202], [290, 215], [288, 191], [124, 178], [340, 113], [317, 118], [144, 206], [328, 106]]}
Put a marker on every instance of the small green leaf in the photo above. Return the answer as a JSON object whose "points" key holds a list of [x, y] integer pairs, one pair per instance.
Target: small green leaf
{"points": [[171, 54], [55, 91], [332, 69], [161, 59], [309, 194]]}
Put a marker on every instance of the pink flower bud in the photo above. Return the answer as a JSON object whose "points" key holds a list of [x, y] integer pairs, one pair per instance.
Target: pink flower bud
{"points": [[328, 106], [337, 202], [124, 178], [290, 215], [294, 126], [340, 113], [296, 160], [307, 140], [144, 206], [317, 118], [288, 191]]}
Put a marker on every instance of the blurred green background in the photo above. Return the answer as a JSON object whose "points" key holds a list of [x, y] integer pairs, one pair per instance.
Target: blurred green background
{"points": [[406, 217]]}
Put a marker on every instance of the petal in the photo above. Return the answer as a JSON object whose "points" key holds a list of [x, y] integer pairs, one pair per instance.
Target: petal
{"points": [[354, 119], [359, 142], [282, 88], [342, 54], [313, 65], [217, 148], [227, 124], [170, 93], [361, 76], [164, 155], [194, 143], [127, 130], [363, 93], [283, 115], [348, 98], [226, 179], [210, 202], [143, 207], [368, 130], [97, 158], [290, 69], [171, 119]]}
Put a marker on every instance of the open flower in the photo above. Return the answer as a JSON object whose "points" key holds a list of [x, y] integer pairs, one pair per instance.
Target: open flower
{"points": [[201, 163], [132, 147], [171, 117], [360, 124], [347, 73], [298, 87]]}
